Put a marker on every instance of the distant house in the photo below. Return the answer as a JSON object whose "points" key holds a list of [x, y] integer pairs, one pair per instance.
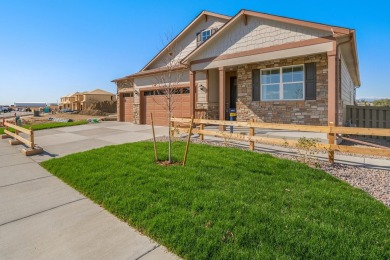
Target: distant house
{"points": [[83, 100], [30, 104], [271, 68]]}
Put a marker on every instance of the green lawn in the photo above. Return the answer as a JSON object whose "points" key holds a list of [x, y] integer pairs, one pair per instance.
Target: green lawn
{"points": [[230, 204], [49, 125]]}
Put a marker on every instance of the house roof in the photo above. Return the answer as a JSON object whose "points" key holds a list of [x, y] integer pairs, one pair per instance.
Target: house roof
{"points": [[197, 18], [152, 71], [98, 92], [313, 25], [337, 32], [202, 14], [73, 94]]}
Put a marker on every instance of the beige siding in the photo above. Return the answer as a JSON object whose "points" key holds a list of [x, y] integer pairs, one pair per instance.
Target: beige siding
{"points": [[152, 80], [214, 86], [187, 43], [347, 86], [347, 91], [99, 98], [201, 80], [258, 33]]}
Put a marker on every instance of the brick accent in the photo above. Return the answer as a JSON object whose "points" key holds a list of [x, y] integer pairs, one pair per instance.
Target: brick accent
{"points": [[309, 112], [123, 87]]}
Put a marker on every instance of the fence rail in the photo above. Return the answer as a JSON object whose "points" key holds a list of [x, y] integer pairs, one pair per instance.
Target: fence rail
{"points": [[331, 130], [17, 139]]}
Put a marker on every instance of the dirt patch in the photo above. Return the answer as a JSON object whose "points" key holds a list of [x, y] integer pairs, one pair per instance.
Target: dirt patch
{"points": [[31, 120], [167, 163], [100, 109]]}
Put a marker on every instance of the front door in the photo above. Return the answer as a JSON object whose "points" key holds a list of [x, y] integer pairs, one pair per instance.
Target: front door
{"points": [[233, 92]]}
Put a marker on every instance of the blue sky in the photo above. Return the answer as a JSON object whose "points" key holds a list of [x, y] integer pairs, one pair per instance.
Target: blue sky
{"points": [[50, 48]]}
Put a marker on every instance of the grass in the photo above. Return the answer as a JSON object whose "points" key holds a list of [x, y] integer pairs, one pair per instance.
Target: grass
{"points": [[230, 204], [43, 126]]}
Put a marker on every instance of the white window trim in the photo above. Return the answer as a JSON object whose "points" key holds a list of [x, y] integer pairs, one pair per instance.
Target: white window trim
{"points": [[201, 34], [281, 84]]}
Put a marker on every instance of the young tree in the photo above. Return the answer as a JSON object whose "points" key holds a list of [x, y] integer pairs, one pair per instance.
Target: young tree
{"points": [[168, 81]]}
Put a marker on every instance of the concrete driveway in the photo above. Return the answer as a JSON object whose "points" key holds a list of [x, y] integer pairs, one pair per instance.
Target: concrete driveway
{"points": [[43, 218], [58, 142]]}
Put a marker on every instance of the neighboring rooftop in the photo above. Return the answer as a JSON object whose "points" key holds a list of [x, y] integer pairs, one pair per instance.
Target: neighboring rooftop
{"points": [[30, 104], [97, 91]]}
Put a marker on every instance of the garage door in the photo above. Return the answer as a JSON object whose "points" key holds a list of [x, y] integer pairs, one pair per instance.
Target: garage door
{"points": [[155, 103], [127, 105]]}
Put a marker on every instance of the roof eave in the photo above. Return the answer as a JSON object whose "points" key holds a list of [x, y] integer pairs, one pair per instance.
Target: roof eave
{"points": [[355, 53]]}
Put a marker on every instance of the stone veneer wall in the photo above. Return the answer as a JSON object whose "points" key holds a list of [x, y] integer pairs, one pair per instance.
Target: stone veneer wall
{"points": [[136, 111], [309, 112], [213, 111]]}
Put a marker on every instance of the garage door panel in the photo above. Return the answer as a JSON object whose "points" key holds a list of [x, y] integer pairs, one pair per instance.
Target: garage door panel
{"points": [[158, 106], [128, 109]]}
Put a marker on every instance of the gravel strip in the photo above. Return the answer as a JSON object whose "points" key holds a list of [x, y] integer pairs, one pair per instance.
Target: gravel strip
{"points": [[374, 181]]}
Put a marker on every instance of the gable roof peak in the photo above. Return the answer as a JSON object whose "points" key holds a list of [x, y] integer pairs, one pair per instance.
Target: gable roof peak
{"points": [[313, 25], [197, 18]]}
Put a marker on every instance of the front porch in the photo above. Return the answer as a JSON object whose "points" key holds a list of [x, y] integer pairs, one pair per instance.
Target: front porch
{"points": [[215, 95], [215, 91]]}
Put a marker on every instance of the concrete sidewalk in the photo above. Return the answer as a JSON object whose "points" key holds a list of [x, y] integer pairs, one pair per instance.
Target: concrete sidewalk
{"points": [[43, 218]]}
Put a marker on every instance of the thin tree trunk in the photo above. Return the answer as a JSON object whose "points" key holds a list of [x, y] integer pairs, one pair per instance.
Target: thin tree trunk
{"points": [[169, 128]]}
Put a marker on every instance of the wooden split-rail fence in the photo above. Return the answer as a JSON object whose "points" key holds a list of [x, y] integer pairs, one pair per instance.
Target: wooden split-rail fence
{"points": [[27, 139], [251, 138]]}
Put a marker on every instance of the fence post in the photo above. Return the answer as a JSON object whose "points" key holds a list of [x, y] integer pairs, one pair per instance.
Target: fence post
{"points": [[188, 141], [154, 139], [331, 139], [32, 138], [251, 133]]}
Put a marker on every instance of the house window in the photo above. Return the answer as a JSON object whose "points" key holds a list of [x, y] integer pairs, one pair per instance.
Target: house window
{"points": [[204, 35], [285, 83]]}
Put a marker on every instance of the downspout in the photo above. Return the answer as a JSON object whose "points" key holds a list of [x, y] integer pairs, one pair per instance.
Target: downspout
{"points": [[338, 71]]}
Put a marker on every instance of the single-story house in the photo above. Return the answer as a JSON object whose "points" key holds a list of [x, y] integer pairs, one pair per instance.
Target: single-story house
{"points": [[83, 100], [271, 68]]}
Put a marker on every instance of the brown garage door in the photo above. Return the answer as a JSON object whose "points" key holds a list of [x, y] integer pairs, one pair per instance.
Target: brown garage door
{"points": [[127, 105], [157, 104]]}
